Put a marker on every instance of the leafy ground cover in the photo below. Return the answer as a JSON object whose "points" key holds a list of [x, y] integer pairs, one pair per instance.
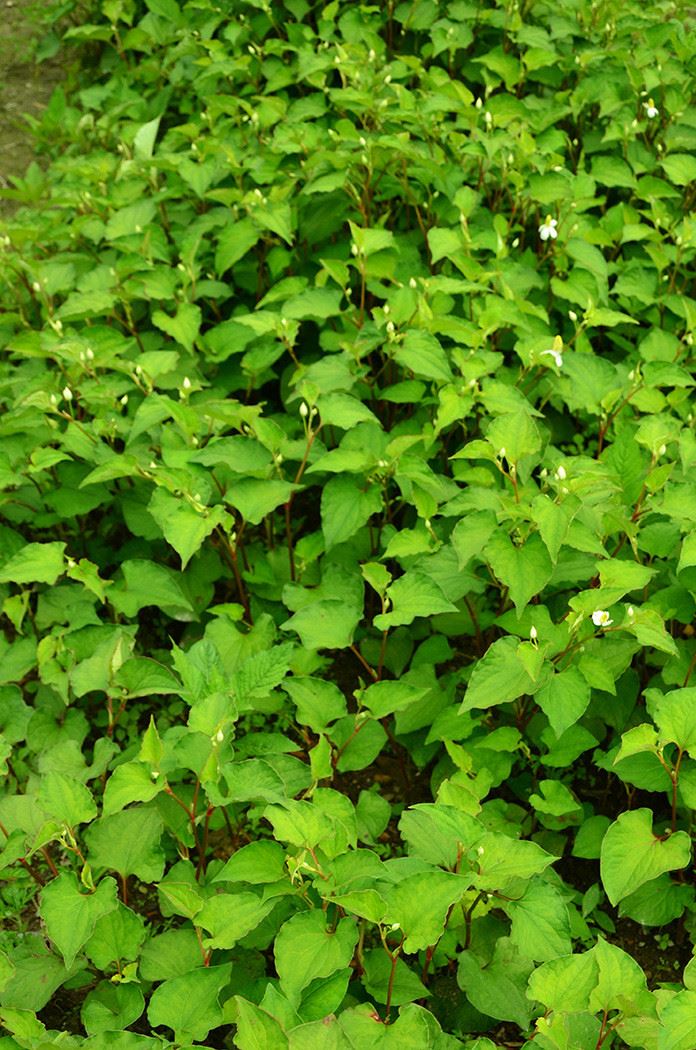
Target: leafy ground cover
{"points": [[347, 551]]}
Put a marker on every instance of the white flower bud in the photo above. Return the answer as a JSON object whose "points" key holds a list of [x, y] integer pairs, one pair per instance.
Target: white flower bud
{"points": [[412, 283], [533, 633], [67, 393], [573, 316], [304, 410], [186, 383]]}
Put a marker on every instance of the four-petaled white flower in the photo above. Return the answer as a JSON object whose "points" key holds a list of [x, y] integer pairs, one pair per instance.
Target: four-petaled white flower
{"points": [[601, 618], [651, 109], [548, 229], [555, 351]]}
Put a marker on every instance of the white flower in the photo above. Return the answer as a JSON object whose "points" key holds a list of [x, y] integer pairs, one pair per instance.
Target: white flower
{"points": [[548, 229], [600, 618], [304, 410], [186, 383], [651, 109], [533, 633], [412, 283], [478, 103], [561, 472], [631, 612], [67, 393], [555, 351], [573, 316]]}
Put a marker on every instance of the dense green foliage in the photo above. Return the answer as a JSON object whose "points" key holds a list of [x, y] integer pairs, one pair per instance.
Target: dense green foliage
{"points": [[347, 552]]}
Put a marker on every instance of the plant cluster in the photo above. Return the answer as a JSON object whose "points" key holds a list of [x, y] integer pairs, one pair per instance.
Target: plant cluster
{"points": [[347, 550]]}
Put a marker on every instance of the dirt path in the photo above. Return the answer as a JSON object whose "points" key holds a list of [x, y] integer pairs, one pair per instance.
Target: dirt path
{"points": [[24, 88]]}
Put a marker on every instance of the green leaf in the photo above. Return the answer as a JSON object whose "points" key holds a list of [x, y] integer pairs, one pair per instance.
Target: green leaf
{"points": [[144, 139], [516, 433], [190, 1004], [326, 624], [146, 583], [620, 979], [564, 698], [624, 575], [498, 677], [674, 714], [524, 570], [182, 526], [422, 354], [632, 855], [257, 863], [403, 986], [35, 563], [305, 949], [71, 916], [540, 922], [229, 917], [257, 1030], [66, 799], [678, 1022], [553, 522], [498, 987], [111, 1007], [130, 782], [413, 594], [255, 498], [318, 702], [680, 168], [234, 242], [503, 859], [369, 241], [420, 904], [565, 984], [183, 328], [128, 842], [345, 507], [117, 937]]}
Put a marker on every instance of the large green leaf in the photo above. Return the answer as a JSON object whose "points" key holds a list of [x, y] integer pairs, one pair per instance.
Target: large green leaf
{"points": [[524, 570], [413, 594], [70, 915], [182, 526], [498, 677], [305, 949], [128, 842], [35, 563], [632, 854], [190, 1004]]}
